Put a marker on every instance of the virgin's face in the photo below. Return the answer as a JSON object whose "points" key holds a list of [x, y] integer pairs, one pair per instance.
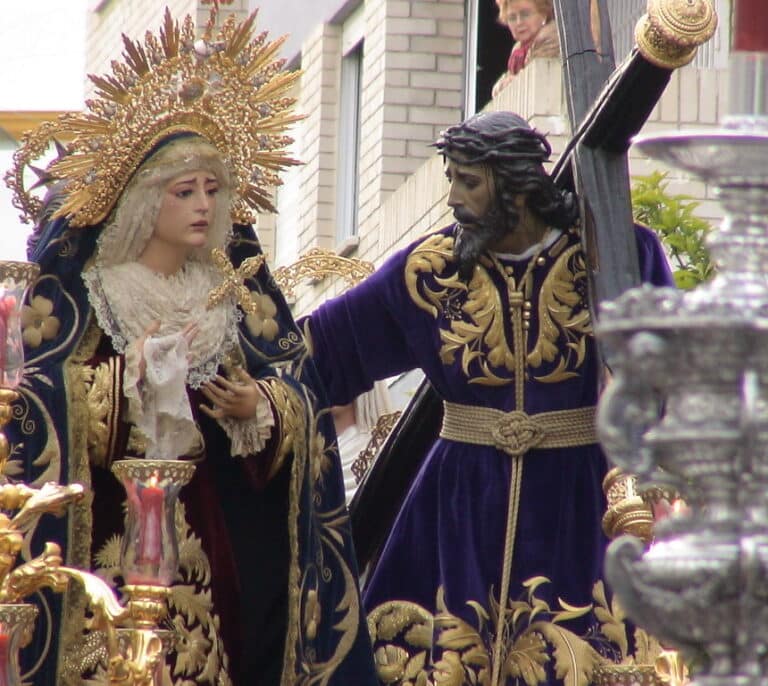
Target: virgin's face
{"points": [[524, 20], [186, 212]]}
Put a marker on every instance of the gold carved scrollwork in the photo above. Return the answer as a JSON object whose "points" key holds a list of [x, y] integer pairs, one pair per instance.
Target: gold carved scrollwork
{"points": [[100, 382], [363, 461], [318, 264], [42, 571]]}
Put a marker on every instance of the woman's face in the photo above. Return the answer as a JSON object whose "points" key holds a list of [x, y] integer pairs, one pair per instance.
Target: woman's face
{"points": [[524, 20], [186, 212]]}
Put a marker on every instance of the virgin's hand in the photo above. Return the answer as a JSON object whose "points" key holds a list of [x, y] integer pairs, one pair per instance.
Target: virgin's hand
{"points": [[189, 332], [151, 330], [232, 398]]}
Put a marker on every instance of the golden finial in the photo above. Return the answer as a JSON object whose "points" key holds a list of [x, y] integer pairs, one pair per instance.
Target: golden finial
{"points": [[669, 34]]}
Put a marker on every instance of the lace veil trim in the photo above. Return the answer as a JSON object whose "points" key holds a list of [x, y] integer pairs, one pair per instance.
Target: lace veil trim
{"points": [[127, 298]]}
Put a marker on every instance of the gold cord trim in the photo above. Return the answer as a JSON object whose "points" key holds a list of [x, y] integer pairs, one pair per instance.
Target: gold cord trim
{"points": [[513, 509], [517, 432]]}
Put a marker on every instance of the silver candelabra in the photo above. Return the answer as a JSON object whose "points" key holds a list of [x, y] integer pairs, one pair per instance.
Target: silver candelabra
{"points": [[688, 407]]}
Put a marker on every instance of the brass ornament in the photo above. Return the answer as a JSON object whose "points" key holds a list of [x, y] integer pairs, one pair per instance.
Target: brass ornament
{"points": [[384, 425], [7, 397], [318, 264], [621, 675], [18, 272], [227, 88], [233, 283], [671, 31], [179, 471], [627, 511]]}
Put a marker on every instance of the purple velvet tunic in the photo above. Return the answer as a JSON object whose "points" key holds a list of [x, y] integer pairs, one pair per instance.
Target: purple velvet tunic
{"points": [[450, 533]]}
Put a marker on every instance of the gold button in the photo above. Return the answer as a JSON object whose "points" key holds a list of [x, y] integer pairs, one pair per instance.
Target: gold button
{"points": [[540, 261], [527, 305], [526, 315]]}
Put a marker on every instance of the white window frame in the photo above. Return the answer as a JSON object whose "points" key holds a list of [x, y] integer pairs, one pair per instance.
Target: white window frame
{"points": [[470, 57], [348, 146]]}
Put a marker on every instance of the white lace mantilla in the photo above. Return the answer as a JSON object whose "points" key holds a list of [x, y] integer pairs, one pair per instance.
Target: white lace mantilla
{"points": [[127, 299]]}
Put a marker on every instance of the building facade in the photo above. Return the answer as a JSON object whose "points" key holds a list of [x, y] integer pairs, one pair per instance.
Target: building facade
{"points": [[379, 80]]}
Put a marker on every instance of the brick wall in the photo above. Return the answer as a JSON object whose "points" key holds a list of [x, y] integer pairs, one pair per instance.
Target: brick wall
{"points": [[133, 18], [130, 17], [319, 90], [412, 84]]}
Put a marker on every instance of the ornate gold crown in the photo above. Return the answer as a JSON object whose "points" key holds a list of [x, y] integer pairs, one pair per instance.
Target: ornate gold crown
{"points": [[229, 89]]}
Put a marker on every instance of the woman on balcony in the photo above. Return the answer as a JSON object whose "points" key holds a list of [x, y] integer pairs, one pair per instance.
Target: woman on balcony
{"points": [[532, 25]]}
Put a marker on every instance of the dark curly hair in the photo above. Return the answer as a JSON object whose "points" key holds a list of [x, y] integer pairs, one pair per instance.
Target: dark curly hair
{"points": [[515, 152]]}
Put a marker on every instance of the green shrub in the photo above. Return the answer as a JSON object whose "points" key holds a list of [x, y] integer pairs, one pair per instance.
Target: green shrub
{"points": [[672, 218]]}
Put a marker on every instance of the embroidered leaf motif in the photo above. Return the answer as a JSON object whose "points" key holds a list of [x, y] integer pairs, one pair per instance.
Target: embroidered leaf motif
{"points": [[449, 671], [390, 663], [393, 618], [533, 583], [193, 604], [192, 560], [539, 606], [419, 635], [527, 658], [647, 648], [415, 665], [461, 653], [611, 619], [453, 632], [570, 611], [575, 659], [192, 647], [109, 554]]}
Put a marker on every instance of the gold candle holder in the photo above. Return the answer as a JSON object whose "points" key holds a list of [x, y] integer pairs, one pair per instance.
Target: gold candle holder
{"points": [[149, 561], [15, 278]]}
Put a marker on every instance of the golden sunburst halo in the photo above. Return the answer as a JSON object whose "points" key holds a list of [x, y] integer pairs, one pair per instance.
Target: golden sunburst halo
{"points": [[227, 86]]}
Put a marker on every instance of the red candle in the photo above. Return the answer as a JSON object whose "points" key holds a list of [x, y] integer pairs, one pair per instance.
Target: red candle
{"points": [[7, 305], [150, 523], [750, 26]]}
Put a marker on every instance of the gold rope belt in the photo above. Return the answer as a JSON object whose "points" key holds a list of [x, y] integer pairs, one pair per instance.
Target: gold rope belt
{"points": [[517, 432]]}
